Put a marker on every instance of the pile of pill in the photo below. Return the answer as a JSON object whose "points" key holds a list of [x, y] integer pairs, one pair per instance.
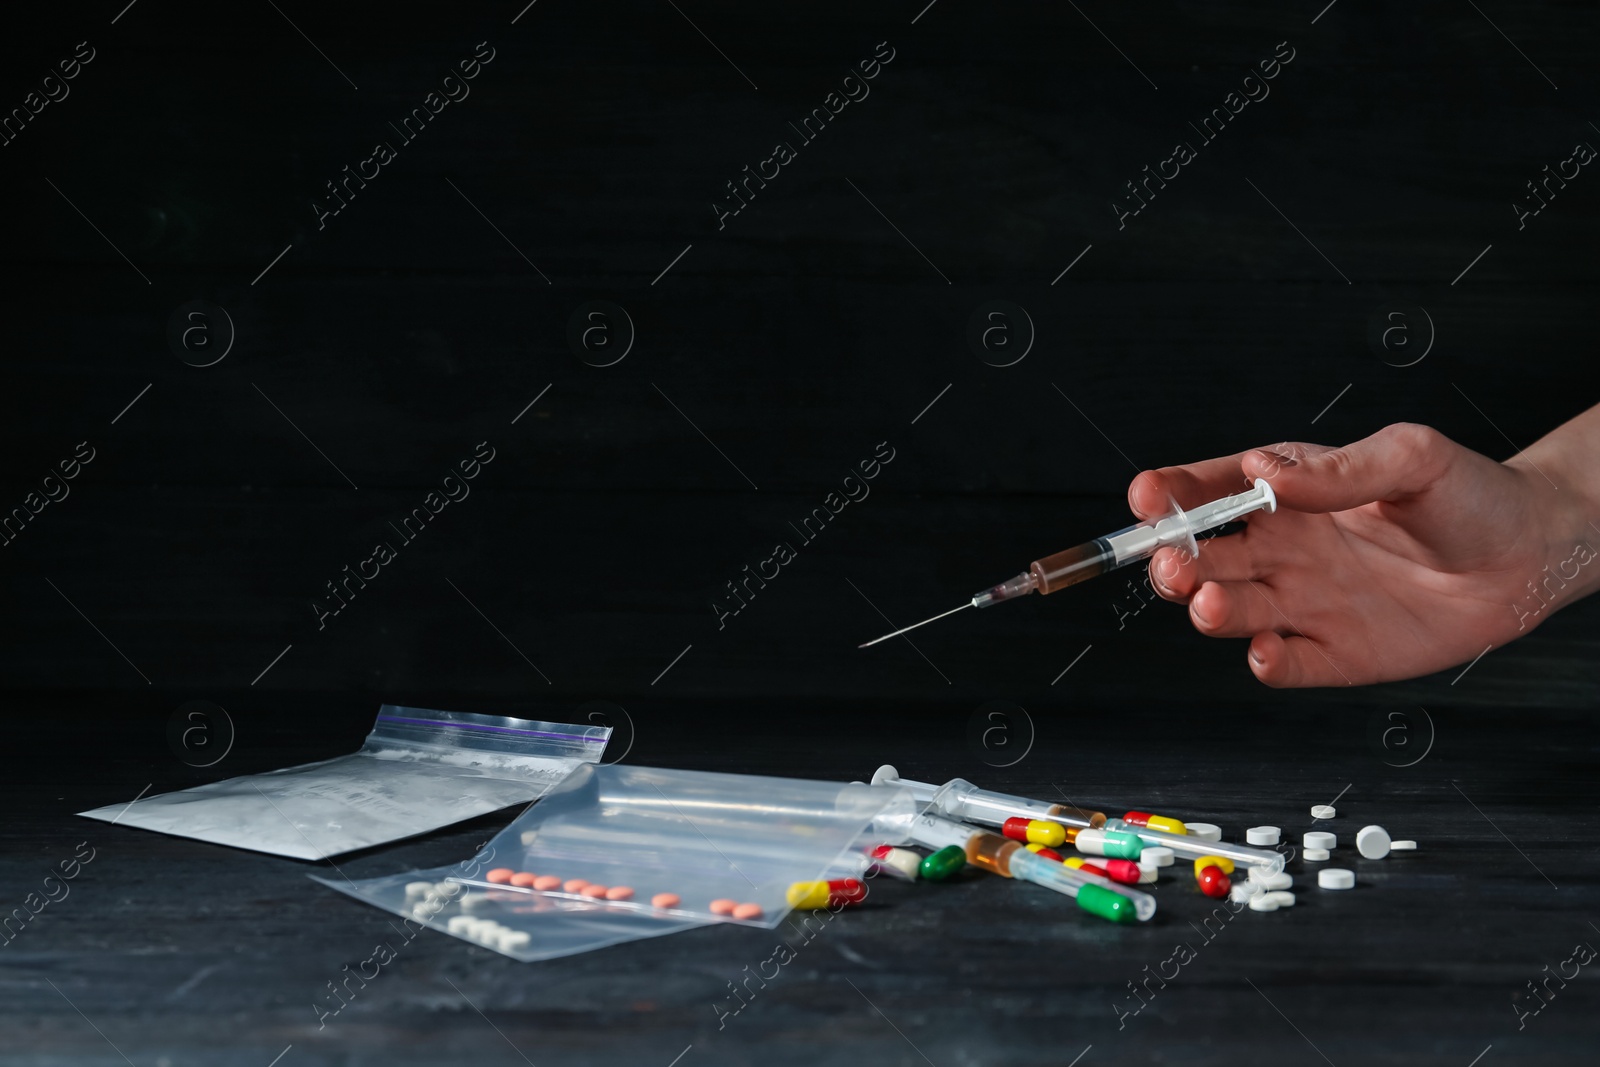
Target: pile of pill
{"points": [[1123, 857]]}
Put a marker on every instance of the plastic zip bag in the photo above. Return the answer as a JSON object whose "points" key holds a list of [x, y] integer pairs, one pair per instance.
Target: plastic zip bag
{"points": [[696, 835], [418, 770]]}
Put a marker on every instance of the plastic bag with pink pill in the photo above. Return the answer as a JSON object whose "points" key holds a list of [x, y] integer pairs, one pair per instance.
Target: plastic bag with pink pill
{"points": [[417, 771], [620, 853]]}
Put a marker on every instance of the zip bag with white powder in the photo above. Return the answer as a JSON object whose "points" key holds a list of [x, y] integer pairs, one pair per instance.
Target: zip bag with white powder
{"points": [[417, 771]]}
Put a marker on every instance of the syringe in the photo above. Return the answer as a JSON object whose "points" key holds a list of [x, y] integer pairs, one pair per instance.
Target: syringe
{"points": [[991, 852], [960, 799], [1193, 847], [1115, 550]]}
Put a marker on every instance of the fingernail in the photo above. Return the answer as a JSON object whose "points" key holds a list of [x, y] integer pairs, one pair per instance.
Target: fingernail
{"points": [[1255, 657], [1277, 457]]}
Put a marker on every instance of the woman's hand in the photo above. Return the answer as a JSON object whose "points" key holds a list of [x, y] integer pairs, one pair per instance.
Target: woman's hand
{"points": [[1396, 556]]}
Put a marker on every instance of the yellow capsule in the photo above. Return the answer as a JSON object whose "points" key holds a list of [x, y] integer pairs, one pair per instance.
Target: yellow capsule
{"points": [[1171, 826], [808, 896], [1073, 861], [1222, 862], [1034, 831]]}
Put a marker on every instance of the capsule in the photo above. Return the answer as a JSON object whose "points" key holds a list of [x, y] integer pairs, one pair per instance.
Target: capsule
{"points": [[900, 861], [944, 863], [1114, 843], [1155, 822], [1222, 863], [1047, 853], [1078, 863], [1214, 883], [835, 893], [1125, 871], [1034, 831]]}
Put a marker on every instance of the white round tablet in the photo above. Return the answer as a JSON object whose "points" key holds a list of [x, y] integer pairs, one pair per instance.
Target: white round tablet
{"points": [[1319, 839], [1336, 878], [418, 889], [1243, 891], [1316, 855], [1373, 842], [1205, 831], [1148, 874], [1284, 898], [1270, 880], [1323, 811], [1262, 835], [1263, 902], [1159, 856], [1402, 846]]}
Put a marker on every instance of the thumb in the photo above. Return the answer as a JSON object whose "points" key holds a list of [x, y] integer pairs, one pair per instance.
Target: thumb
{"points": [[1398, 461]]}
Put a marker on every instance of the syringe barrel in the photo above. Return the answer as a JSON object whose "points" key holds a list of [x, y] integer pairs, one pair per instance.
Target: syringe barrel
{"points": [[1073, 565], [1032, 867], [935, 832], [961, 799], [1190, 847], [1141, 540]]}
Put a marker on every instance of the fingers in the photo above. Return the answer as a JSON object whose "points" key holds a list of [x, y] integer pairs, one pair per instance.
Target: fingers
{"points": [[1190, 484], [1232, 609], [1175, 574], [1291, 662], [1397, 461]]}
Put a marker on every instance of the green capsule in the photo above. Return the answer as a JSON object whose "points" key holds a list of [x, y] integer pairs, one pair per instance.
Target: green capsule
{"points": [[943, 864], [1100, 901], [1122, 846]]}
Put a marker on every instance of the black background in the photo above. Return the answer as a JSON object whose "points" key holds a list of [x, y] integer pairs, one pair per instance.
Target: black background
{"points": [[771, 357]]}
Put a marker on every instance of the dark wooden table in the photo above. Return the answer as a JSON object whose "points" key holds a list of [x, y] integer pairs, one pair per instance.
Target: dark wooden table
{"points": [[178, 952]]}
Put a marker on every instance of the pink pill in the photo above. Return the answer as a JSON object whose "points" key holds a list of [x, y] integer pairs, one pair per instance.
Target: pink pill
{"points": [[619, 892], [572, 885], [546, 881], [501, 875], [723, 906], [524, 879], [747, 911], [598, 892], [666, 900]]}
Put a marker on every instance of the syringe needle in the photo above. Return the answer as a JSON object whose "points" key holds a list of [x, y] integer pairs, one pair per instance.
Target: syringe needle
{"points": [[913, 626], [1137, 542]]}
